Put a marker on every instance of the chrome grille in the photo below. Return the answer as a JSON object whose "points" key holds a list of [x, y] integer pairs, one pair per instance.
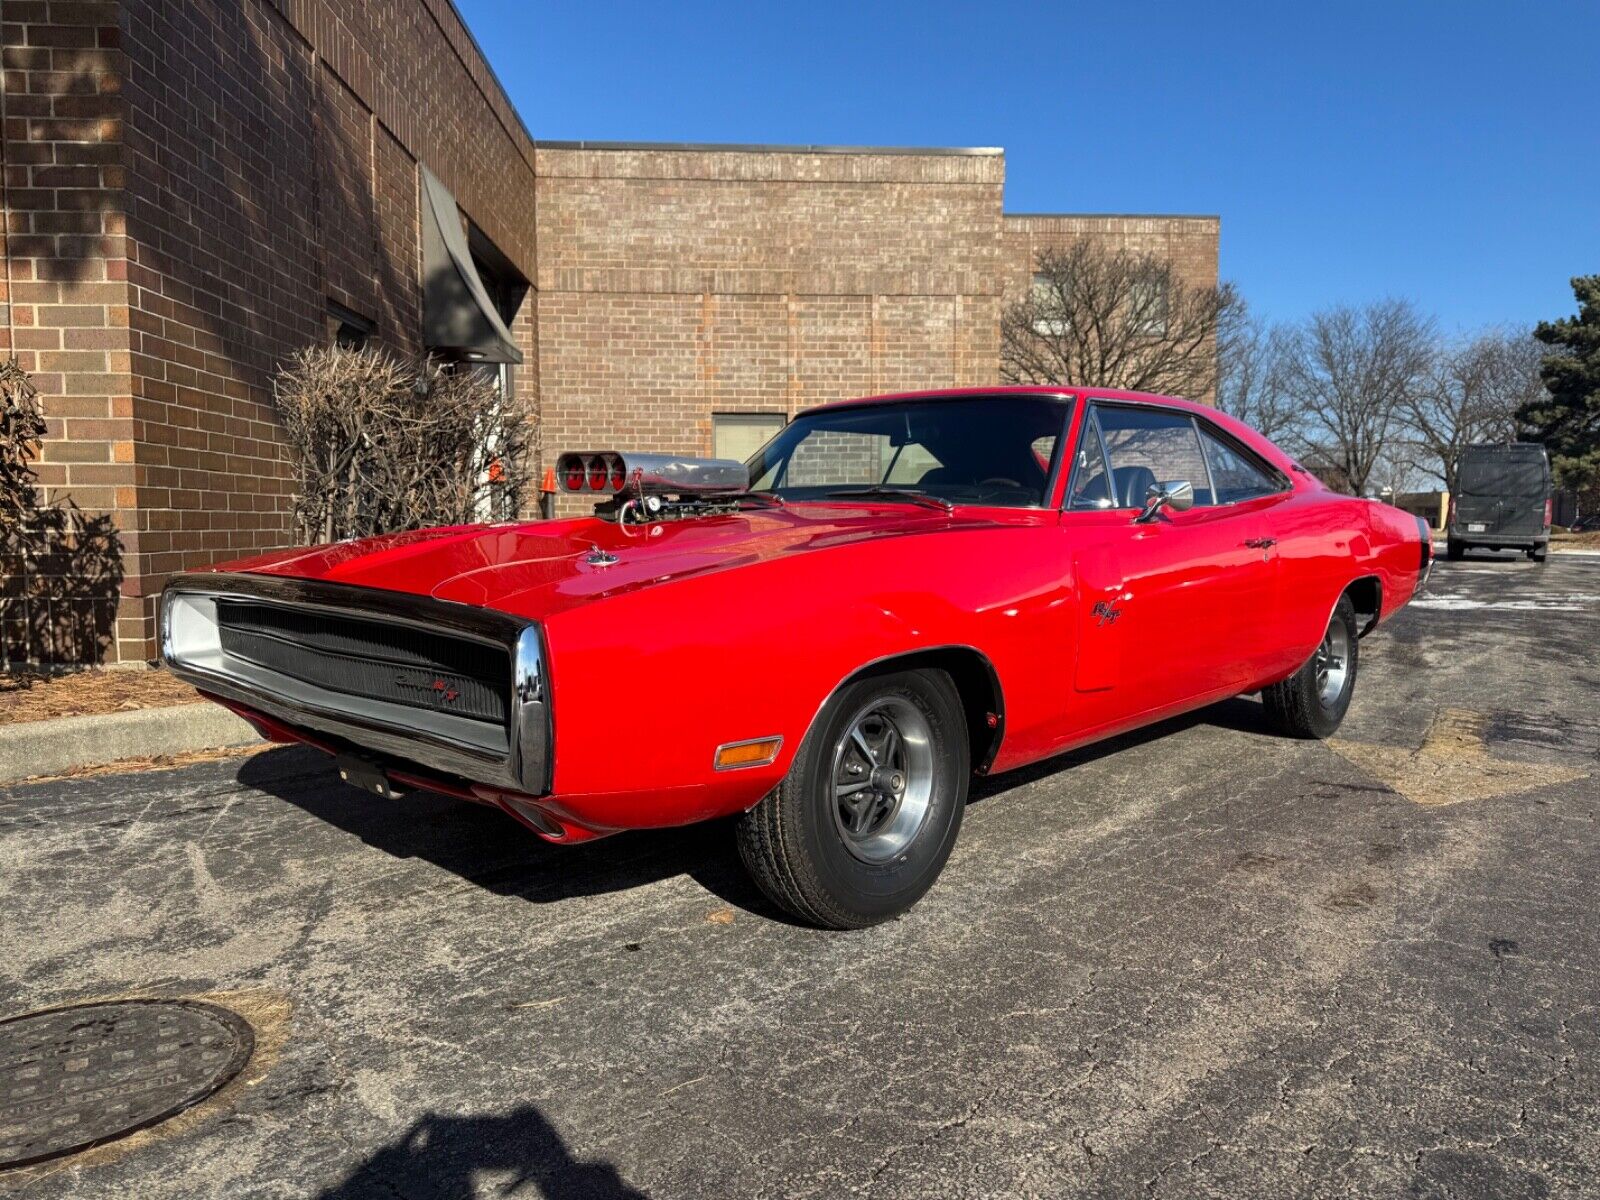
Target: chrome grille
{"points": [[456, 688], [413, 667]]}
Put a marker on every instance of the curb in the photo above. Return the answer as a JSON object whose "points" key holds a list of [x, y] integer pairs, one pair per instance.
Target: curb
{"points": [[67, 743]]}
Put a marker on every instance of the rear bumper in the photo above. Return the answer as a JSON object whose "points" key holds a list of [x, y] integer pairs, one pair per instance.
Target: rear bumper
{"points": [[1512, 541]]}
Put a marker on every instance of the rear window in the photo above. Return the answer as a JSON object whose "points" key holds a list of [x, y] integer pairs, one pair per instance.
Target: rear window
{"points": [[1502, 473]]}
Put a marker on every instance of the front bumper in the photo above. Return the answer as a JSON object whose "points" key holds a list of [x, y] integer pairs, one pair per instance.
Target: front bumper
{"points": [[516, 756]]}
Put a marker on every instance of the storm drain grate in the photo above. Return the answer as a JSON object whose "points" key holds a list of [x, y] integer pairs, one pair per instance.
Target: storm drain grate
{"points": [[76, 1077]]}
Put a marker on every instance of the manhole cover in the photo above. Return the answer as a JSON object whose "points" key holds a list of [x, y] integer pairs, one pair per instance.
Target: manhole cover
{"points": [[74, 1077]]}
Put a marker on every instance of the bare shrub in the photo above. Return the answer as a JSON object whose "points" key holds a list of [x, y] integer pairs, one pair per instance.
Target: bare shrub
{"points": [[60, 568], [384, 444]]}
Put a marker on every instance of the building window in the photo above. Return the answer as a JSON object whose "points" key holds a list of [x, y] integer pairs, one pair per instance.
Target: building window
{"points": [[739, 435], [1147, 307], [1049, 320], [346, 329]]}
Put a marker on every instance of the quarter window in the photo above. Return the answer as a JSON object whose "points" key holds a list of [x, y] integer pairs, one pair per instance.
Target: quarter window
{"points": [[1089, 486], [1235, 476], [1146, 447]]}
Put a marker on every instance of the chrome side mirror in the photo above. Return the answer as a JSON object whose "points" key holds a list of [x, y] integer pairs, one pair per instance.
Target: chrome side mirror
{"points": [[1177, 495]]}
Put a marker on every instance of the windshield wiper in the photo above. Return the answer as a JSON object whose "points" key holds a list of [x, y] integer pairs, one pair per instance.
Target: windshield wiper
{"points": [[893, 493]]}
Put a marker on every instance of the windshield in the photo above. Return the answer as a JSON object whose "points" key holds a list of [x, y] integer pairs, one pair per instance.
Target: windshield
{"points": [[996, 450]]}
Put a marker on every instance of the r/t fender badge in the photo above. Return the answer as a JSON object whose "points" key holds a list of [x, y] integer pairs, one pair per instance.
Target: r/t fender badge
{"points": [[1104, 614]]}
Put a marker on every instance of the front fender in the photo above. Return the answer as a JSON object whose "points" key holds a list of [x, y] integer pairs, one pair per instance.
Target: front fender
{"points": [[646, 685]]}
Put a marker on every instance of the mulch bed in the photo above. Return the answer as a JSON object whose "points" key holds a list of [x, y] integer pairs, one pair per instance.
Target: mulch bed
{"points": [[86, 693]]}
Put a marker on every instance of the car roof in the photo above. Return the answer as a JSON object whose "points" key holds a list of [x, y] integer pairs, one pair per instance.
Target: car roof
{"points": [[1250, 437], [1065, 391]]}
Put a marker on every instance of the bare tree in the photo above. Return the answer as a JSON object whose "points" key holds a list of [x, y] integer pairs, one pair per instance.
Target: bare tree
{"points": [[1471, 393], [1350, 371], [1113, 319], [383, 444], [1251, 382]]}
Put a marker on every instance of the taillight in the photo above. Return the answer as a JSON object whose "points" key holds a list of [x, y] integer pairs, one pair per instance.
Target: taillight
{"points": [[597, 474], [1549, 512]]}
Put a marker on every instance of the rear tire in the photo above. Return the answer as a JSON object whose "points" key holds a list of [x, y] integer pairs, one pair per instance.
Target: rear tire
{"points": [[1453, 549], [1312, 702], [1538, 554], [863, 823]]}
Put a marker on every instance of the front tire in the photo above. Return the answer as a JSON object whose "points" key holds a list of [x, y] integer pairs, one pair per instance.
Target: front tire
{"points": [[863, 823], [1312, 702]]}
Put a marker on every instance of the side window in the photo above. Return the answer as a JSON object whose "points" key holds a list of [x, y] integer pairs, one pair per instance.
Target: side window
{"points": [[1235, 476], [1147, 446], [1089, 487]]}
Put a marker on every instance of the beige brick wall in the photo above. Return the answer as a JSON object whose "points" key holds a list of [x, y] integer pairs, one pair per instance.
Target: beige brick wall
{"points": [[1190, 243], [675, 283]]}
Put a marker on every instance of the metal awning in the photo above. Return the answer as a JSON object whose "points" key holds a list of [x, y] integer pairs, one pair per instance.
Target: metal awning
{"points": [[457, 313]]}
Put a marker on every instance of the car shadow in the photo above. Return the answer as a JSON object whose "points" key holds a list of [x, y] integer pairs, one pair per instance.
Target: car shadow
{"points": [[441, 1158], [489, 849], [485, 847], [1239, 715]]}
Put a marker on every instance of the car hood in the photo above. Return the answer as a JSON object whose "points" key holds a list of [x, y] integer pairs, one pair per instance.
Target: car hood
{"points": [[534, 569]]}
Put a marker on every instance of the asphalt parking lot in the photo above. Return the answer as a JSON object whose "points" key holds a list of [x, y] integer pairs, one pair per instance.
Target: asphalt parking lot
{"points": [[1198, 961]]}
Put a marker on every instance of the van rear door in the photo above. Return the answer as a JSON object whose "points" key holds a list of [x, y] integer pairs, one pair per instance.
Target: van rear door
{"points": [[1501, 491]]}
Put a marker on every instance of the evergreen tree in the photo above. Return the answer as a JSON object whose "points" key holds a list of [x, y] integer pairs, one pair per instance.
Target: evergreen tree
{"points": [[1567, 420]]}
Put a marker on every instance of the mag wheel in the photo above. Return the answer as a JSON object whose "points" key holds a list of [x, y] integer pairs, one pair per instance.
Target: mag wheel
{"points": [[1312, 702], [863, 823]]}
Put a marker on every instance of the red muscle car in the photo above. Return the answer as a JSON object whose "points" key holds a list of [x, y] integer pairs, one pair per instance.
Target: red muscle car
{"points": [[893, 595]]}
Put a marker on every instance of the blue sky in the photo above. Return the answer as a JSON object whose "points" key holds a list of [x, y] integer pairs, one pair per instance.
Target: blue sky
{"points": [[1446, 152]]}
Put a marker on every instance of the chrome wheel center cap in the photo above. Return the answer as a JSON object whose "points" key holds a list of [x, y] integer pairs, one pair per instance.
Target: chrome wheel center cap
{"points": [[890, 783]]}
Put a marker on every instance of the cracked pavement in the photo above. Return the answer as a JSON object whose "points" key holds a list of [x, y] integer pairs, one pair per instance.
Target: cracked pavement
{"points": [[1200, 960]]}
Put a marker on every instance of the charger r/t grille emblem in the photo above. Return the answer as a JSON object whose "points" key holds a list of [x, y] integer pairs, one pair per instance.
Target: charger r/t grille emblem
{"points": [[439, 690]]}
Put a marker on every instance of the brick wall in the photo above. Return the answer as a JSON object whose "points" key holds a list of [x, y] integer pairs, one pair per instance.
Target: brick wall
{"points": [[678, 282], [189, 185], [1189, 243], [64, 299]]}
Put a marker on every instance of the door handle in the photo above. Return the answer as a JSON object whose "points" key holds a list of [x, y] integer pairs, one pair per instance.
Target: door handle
{"points": [[1261, 543]]}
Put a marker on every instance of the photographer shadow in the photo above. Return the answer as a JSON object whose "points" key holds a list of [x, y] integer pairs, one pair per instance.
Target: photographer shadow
{"points": [[443, 1158]]}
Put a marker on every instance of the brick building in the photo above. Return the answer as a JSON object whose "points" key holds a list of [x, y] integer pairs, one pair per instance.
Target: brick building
{"points": [[193, 190]]}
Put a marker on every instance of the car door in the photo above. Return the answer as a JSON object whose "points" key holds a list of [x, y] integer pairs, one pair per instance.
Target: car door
{"points": [[1166, 607]]}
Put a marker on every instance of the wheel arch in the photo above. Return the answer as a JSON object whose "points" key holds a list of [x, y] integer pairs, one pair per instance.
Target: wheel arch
{"points": [[976, 681], [1366, 596]]}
